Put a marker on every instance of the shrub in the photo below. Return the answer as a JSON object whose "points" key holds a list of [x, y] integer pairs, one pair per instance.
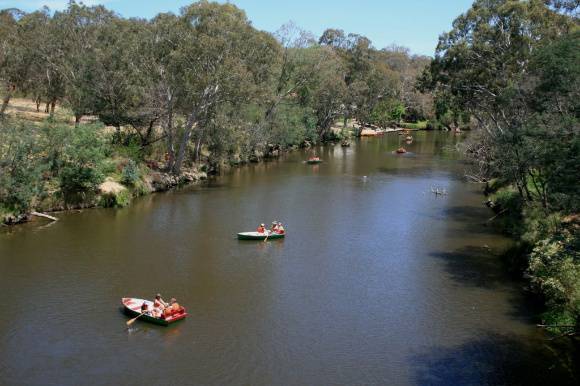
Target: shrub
{"points": [[120, 199], [554, 271], [131, 174], [82, 160]]}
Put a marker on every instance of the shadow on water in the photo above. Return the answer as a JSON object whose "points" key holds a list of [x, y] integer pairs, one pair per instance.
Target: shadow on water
{"points": [[494, 359], [473, 266]]}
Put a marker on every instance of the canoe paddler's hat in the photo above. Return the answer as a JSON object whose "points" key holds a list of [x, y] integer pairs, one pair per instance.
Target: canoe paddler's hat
{"points": [[275, 222], [262, 225], [158, 295], [173, 300]]}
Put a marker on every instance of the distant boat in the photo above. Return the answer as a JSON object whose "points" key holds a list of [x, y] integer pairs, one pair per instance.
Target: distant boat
{"points": [[259, 236], [314, 160], [132, 307], [401, 150]]}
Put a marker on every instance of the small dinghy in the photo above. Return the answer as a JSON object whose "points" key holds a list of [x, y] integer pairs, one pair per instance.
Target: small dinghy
{"points": [[315, 160], [259, 236], [132, 307]]}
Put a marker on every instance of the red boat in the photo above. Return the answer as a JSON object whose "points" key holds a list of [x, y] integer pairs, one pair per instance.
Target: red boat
{"points": [[133, 308]]}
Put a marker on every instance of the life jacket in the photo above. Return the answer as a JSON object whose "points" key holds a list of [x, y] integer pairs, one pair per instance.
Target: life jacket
{"points": [[280, 230], [157, 303], [261, 229]]}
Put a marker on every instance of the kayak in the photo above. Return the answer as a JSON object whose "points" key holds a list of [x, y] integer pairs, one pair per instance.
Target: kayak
{"points": [[132, 307], [314, 161], [259, 236]]}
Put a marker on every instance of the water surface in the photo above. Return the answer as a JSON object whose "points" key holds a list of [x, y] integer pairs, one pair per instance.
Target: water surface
{"points": [[377, 282]]}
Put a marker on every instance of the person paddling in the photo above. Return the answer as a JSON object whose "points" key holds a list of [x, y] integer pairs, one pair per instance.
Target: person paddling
{"points": [[145, 309], [261, 229], [274, 227]]}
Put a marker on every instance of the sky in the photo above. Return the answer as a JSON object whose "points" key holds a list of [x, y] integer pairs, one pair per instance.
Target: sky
{"points": [[416, 24]]}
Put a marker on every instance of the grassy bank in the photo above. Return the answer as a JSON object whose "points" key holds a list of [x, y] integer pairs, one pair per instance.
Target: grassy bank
{"points": [[53, 165]]}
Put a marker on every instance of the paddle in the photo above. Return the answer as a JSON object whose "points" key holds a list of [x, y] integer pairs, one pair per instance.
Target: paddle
{"points": [[130, 322], [267, 235]]}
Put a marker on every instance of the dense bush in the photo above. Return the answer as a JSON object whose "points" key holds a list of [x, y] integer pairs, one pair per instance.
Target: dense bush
{"points": [[554, 270], [131, 174], [20, 167], [82, 158]]}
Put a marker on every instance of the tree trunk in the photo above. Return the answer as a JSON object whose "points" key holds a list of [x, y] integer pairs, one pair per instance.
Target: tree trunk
{"points": [[77, 120], [38, 101], [46, 109], [183, 145], [52, 106], [6, 100], [170, 138]]}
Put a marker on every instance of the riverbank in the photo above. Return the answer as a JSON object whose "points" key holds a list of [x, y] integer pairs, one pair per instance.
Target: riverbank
{"points": [[546, 255], [50, 164]]}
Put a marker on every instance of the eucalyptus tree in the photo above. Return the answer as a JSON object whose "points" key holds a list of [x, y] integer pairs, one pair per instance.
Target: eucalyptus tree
{"points": [[201, 60], [13, 58], [79, 30], [482, 66]]}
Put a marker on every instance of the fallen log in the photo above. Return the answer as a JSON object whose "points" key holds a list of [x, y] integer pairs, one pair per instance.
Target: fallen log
{"points": [[38, 214]]}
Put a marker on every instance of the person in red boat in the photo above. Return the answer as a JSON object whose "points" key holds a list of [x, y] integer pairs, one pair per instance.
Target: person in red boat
{"points": [[261, 229], [159, 302], [280, 229], [145, 309], [173, 309]]}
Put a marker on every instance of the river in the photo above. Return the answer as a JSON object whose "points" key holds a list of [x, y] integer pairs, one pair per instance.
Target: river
{"points": [[378, 282]]}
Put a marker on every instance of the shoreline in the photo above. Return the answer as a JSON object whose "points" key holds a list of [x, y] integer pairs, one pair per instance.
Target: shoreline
{"points": [[113, 194]]}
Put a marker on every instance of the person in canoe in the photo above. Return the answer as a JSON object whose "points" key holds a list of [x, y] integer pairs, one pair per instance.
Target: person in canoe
{"points": [[173, 308], [145, 309], [159, 302], [261, 229], [280, 229], [274, 227]]}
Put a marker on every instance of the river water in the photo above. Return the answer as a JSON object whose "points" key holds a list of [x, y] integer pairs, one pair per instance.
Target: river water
{"points": [[378, 282]]}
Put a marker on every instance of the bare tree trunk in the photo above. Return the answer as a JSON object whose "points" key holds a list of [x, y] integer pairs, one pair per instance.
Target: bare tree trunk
{"points": [[47, 107], [197, 154], [6, 100], [77, 120], [183, 145], [37, 101], [52, 106], [170, 137]]}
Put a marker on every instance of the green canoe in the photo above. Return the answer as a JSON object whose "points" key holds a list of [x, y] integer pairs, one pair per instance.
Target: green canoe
{"points": [[314, 161], [259, 236]]}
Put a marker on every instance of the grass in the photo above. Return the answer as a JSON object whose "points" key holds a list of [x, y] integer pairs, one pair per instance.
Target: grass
{"points": [[421, 125]]}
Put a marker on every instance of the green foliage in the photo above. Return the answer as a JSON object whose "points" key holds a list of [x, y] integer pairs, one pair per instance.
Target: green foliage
{"points": [[82, 159], [20, 167], [554, 271], [422, 125], [388, 112], [131, 174], [120, 199]]}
